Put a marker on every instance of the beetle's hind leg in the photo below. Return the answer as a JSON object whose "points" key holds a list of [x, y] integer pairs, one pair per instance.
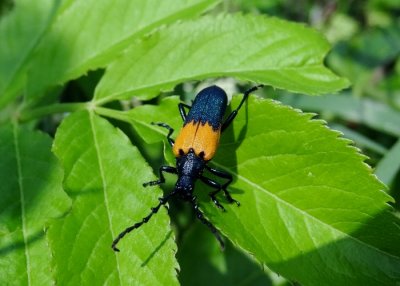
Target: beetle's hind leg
{"points": [[223, 187], [210, 226], [170, 131], [154, 210], [167, 169], [213, 194]]}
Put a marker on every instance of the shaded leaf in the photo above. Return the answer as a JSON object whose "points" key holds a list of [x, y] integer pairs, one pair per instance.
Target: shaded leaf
{"points": [[104, 174], [31, 194], [90, 34], [20, 32], [265, 50], [203, 263]]}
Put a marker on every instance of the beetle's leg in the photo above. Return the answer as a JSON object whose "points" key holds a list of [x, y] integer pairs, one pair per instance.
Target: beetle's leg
{"points": [[212, 195], [200, 216], [224, 175], [233, 114], [170, 131], [182, 110], [154, 210], [167, 169]]}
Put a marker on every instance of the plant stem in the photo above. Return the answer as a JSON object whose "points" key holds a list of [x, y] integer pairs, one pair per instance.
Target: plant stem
{"points": [[111, 113], [50, 109]]}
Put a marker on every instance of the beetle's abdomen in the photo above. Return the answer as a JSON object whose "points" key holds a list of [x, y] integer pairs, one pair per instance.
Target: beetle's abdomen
{"points": [[202, 127], [208, 107]]}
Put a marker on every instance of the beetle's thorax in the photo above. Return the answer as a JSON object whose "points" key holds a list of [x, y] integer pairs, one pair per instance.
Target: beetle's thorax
{"points": [[189, 168]]}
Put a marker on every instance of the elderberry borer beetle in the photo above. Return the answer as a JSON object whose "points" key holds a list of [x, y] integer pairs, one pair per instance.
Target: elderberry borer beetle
{"points": [[194, 147]]}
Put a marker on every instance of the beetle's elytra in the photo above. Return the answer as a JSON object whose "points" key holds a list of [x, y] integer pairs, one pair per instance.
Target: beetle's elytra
{"points": [[193, 148]]}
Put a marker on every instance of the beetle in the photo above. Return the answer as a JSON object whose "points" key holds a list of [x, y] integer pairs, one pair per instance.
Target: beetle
{"points": [[193, 148]]}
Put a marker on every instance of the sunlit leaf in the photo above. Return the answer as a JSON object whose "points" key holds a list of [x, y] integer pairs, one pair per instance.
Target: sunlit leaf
{"points": [[311, 208], [104, 174], [261, 49], [89, 34]]}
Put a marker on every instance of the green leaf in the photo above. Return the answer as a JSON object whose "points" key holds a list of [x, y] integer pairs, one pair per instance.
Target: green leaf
{"points": [[89, 34], [20, 31], [31, 194], [256, 48], [311, 208], [104, 174]]}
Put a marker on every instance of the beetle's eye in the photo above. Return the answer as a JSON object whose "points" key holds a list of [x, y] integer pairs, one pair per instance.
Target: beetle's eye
{"points": [[181, 152], [202, 154]]}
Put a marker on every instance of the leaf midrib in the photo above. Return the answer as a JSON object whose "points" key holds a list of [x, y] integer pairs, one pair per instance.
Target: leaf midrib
{"points": [[104, 183], [115, 96]]}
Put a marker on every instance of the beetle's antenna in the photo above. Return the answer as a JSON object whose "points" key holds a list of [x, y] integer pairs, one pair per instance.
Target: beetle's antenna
{"points": [[233, 114], [247, 93], [200, 216], [154, 210]]}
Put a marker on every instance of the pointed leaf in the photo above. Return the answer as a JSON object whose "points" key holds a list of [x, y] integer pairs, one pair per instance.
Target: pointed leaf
{"points": [[104, 174], [266, 50], [89, 34], [311, 209], [31, 194]]}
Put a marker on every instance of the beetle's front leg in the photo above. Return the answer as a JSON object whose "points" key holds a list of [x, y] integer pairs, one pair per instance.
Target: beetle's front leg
{"points": [[170, 131], [167, 169]]}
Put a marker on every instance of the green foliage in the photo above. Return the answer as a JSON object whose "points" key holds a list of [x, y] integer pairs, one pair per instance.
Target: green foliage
{"points": [[90, 34], [259, 49], [312, 210], [31, 194], [20, 32], [104, 204], [289, 173]]}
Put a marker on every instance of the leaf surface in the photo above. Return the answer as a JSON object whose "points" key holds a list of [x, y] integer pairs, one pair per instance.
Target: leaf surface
{"points": [[89, 34], [104, 174], [265, 50], [31, 194], [311, 209]]}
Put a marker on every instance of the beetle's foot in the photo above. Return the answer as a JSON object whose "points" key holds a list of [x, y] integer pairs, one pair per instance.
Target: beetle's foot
{"points": [[217, 203]]}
